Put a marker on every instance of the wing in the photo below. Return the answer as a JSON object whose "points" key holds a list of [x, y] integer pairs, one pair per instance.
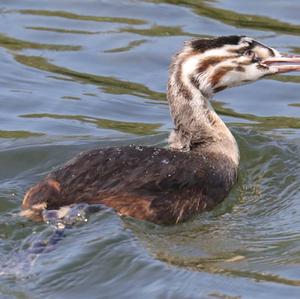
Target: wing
{"points": [[154, 184]]}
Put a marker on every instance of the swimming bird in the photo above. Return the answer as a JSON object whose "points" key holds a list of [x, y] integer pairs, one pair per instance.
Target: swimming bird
{"points": [[198, 169]]}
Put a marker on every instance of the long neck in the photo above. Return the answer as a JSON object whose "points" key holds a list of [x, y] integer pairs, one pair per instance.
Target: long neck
{"points": [[197, 126]]}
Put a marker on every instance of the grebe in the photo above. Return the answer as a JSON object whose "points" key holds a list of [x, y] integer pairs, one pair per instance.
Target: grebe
{"points": [[197, 171]]}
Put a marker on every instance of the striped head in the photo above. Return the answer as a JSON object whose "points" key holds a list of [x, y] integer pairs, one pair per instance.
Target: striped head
{"points": [[211, 65]]}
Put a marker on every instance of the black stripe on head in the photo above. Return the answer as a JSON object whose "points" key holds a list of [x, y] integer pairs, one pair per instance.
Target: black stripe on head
{"points": [[255, 43], [203, 45]]}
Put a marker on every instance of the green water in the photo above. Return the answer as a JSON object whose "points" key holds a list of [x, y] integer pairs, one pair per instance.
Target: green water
{"points": [[76, 74]]}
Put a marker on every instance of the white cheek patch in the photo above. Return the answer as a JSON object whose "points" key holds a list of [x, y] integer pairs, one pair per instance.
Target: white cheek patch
{"points": [[235, 78]]}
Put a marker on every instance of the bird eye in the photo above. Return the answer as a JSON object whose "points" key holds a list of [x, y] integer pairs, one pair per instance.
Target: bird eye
{"points": [[251, 54]]}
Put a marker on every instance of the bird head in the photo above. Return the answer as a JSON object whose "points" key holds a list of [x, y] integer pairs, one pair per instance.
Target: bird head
{"points": [[213, 64]]}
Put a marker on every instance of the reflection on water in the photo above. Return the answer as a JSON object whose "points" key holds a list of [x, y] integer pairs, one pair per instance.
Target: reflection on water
{"points": [[108, 84], [16, 44], [236, 19], [73, 16], [18, 134], [81, 74], [127, 127]]}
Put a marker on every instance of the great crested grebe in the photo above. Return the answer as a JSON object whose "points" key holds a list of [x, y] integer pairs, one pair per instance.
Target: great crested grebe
{"points": [[198, 169]]}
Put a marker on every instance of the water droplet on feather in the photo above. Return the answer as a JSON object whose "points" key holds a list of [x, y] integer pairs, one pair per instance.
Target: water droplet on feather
{"points": [[139, 148], [165, 161]]}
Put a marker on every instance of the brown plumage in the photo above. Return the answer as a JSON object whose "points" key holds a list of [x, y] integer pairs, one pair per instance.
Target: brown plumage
{"points": [[154, 184], [196, 173]]}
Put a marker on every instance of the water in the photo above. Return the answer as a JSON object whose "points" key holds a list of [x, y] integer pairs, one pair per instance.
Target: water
{"points": [[80, 74]]}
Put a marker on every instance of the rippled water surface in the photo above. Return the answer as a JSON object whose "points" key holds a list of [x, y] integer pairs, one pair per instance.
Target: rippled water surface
{"points": [[78, 74]]}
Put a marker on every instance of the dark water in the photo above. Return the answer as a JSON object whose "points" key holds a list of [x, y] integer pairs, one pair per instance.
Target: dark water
{"points": [[79, 74]]}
